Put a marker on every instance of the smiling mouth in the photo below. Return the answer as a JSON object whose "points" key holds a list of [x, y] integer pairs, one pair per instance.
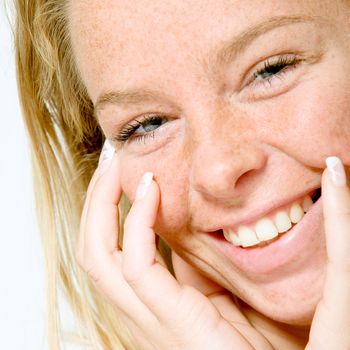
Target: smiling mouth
{"points": [[270, 227]]}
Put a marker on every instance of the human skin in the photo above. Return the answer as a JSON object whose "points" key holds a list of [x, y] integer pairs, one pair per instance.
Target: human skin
{"points": [[228, 148]]}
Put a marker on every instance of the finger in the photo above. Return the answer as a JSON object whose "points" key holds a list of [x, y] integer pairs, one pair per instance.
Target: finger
{"points": [[186, 274], [102, 258], [330, 327], [174, 306], [224, 301], [336, 204], [151, 281], [102, 217], [181, 308], [106, 154]]}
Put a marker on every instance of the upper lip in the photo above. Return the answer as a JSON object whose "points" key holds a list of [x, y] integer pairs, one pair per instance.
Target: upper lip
{"points": [[254, 214]]}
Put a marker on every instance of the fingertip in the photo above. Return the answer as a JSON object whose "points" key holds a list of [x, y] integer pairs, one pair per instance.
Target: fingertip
{"points": [[335, 191], [106, 156], [147, 188], [336, 171], [187, 274], [150, 201], [325, 181], [139, 241], [144, 208], [335, 195], [144, 185]]}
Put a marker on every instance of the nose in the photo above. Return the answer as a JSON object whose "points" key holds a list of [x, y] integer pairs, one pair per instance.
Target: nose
{"points": [[221, 167]]}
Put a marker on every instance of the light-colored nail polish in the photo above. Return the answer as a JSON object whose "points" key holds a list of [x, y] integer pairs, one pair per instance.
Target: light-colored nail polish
{"points": [[106, 157], [143, 186], [337, 171]]}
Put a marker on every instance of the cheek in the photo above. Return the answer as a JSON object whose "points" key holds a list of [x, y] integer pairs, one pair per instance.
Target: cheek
{"points": [[324, 126], [170, 169], [311, 124]]}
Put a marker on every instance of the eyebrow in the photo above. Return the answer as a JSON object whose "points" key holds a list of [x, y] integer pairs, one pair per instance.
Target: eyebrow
{"points": [[227, 53]]}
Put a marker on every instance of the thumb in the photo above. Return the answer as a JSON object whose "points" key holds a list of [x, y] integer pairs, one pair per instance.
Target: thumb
{"points": [[187, 274], [224, 301]]}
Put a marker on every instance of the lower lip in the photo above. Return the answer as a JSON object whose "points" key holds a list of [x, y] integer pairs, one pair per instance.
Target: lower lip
{"points": [[288, 248]]}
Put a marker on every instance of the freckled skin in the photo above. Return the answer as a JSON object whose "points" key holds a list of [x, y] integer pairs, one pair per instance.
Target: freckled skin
{"points": [[224, 154]]}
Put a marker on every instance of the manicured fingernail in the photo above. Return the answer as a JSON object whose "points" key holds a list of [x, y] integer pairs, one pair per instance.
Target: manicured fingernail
{"points": [[143, 186], [105, 157], [337, 171]]}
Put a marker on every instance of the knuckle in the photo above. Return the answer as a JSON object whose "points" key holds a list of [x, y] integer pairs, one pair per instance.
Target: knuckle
{"points": [[93, 274], [79, 258], [90, 268], [79, 253], [131, 275], [85, 263]]}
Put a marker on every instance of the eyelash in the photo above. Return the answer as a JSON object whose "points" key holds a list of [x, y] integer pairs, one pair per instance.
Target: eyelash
{"points": [[129, 130], [277, 67]]}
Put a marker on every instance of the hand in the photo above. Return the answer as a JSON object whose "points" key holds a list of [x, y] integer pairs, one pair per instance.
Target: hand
{"points": [[163, 313], [330, 329], [159, 311]]}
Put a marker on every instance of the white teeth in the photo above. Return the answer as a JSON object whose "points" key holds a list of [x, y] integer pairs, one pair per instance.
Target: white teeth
{"points": [[296, 213], [232, 237], [282, 222], [307, 203], [235, 239], [265, 229], [247, 236], [226, 235]]}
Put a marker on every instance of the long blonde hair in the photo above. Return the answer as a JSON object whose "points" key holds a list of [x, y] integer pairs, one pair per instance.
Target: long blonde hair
{"points": [[65, 141]]}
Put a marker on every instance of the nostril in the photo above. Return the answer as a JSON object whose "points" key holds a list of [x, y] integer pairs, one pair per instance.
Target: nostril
{"points": [[249, 179]]}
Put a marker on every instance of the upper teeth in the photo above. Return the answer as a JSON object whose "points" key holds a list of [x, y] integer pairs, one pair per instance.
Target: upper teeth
{"points": [[266, 228]]}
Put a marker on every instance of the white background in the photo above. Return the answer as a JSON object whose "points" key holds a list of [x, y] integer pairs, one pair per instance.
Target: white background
{"points": [[21, 262], [21, 288]]}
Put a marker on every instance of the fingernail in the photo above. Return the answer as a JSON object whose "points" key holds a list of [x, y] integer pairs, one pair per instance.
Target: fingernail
{"points": [[105, 157], [143, 186], [337, 171]]}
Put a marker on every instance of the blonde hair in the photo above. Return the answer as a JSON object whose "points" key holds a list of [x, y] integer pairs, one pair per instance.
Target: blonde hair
{"points": [[65, 141]]}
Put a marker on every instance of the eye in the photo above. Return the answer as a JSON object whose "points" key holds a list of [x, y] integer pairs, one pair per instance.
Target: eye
{"points": [[270, 68], [274, 68], [140, 129]]}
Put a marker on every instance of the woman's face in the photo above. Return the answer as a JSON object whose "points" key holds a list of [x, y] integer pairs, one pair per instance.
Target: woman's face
{"points": [[250, 97]]}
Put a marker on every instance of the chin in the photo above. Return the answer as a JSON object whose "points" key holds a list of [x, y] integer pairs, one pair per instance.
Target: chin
{"points": [[292, 301], [298, 314]]}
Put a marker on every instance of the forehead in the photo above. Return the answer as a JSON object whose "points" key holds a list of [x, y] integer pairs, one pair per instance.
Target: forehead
{"points": [[137, 40]]}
